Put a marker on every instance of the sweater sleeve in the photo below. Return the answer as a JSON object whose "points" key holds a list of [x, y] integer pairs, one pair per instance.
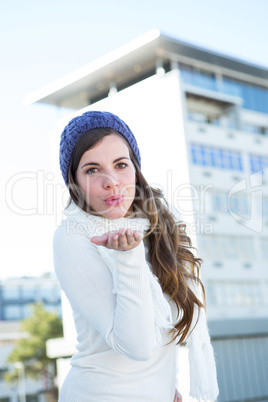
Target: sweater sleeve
{"points": [[118, 305]]}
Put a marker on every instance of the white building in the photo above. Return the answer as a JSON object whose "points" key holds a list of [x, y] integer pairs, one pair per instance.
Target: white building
{"points": [[17, 295], [201, 121]]}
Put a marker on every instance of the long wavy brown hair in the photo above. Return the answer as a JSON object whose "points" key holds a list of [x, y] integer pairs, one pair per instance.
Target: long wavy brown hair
{"points": [[170, 248]]}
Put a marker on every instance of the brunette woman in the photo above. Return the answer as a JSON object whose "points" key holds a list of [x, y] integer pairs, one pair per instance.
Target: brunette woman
{"points": [[125, 262]]}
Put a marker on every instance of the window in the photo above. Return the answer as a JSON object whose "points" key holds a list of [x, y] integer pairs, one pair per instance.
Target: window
{"points": [[250, 128], [219, 247], [12, 312], [203, 118], [236, 294], [11, 292], [28, 293], [216, 157], [258, 162], [255, 97], [197, 77], [238, 204], [219, 202], [197, 116], [254, 129]]}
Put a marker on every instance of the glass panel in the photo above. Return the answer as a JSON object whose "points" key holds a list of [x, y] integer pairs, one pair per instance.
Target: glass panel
{"points": [[216, 157], [258, 162], [240, 294], [240, 205], [11, 292], [255, 98], [12, 312], [28, 293], [249, 128], [228, 247]]}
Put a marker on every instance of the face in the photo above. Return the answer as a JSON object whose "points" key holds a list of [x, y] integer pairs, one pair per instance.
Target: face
{"points": [[107, 177]]}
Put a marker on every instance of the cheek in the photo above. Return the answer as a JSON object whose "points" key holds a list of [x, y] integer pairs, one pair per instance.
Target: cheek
{"points": [[85, 184], [132, 185], [91, 187], [130, 180]]}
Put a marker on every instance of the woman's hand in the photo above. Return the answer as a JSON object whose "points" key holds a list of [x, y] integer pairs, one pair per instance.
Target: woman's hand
{"points": [[122, 240]]}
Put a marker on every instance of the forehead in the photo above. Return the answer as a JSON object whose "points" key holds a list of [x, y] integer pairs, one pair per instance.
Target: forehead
{"points": [[112, 145]]}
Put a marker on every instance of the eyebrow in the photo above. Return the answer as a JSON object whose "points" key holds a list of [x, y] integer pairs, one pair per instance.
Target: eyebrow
{"points": [[97, 164]]}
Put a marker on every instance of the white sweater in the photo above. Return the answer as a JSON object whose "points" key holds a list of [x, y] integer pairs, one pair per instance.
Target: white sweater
{"points": [[117, 358], [122, 320]]}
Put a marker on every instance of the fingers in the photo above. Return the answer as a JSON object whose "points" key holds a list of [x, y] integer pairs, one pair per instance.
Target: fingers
{"points": [[129, 239], [122, 240]]}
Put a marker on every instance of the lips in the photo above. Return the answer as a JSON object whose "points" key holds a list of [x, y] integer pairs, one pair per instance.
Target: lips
{"points": [[114, 200]]}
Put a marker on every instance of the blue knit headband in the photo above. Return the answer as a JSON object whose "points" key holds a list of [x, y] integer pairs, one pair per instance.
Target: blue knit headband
{"points": [[87, 121]]}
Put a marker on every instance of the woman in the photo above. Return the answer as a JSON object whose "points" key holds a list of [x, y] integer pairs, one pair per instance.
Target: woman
{"points": [[126, 267]]}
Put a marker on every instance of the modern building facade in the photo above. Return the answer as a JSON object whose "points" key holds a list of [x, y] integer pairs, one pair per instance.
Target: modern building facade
{"points": [[18, 294], [201, 120]]}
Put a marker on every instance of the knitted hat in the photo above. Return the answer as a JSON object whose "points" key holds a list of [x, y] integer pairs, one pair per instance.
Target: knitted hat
{"points": [[87, 121]]}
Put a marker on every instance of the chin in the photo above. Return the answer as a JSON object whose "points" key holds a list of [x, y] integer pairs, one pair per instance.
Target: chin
{"points": [[116, 213]]}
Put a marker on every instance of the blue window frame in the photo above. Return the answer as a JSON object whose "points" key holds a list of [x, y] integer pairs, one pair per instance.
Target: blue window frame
{"points": [[216, 157], [258, 162]]}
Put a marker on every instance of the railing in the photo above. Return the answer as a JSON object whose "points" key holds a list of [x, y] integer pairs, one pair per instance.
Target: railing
{"points": [[255, 98]]}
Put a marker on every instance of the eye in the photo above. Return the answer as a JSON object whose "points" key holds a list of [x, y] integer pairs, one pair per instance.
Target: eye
{"points": [[121, 165], [91, 170]]}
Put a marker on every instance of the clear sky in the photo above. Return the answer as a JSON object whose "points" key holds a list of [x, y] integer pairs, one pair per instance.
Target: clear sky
{"points": [[43, 40]]}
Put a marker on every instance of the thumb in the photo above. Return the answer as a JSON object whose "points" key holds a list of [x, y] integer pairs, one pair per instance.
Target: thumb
{"points": [[100, 240]]}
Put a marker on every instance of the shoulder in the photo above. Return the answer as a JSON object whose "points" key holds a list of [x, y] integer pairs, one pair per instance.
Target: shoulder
{"points": [[74, 254], [70, 236]]}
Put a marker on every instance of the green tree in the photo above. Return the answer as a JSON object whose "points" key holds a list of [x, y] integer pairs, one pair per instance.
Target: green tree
{"points": [[31, 350]]}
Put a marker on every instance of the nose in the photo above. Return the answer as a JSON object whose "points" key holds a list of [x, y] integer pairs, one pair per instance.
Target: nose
{"points": [[110, 181]]}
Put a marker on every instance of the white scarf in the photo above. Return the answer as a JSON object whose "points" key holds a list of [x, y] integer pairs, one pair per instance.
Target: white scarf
{"points": [[203, 380]]}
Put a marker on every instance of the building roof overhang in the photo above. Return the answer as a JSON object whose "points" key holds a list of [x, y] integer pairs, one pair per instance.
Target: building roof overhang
{"points": [[132, 63]]}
